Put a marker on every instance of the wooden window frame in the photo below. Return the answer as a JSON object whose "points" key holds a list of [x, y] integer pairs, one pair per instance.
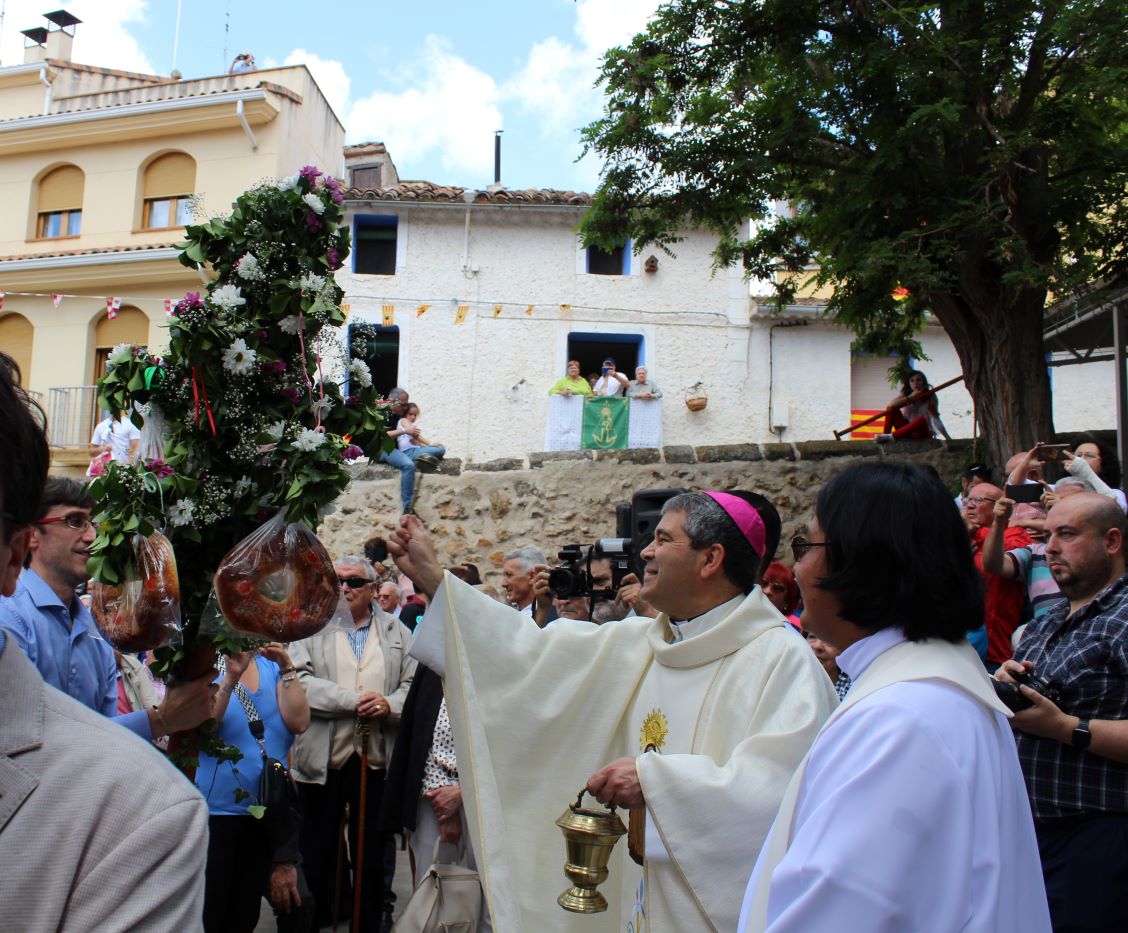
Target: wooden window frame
{"points": [[173, 210], [41, 224]]}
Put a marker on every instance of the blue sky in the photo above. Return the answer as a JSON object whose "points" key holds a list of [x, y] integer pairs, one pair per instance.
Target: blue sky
{"points": [[431, 79]]}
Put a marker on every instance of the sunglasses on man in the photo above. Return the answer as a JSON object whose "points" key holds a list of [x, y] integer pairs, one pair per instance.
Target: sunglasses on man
{"points": [[353, 583]]}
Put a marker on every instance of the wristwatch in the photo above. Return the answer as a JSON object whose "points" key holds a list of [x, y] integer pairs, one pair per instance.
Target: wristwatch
{"points": [[1081, 735]]}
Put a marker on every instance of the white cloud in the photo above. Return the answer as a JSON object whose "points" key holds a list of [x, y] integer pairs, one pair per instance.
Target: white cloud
{"points": [[330, 77], [101, 39], [601, 24], [450, 110]]}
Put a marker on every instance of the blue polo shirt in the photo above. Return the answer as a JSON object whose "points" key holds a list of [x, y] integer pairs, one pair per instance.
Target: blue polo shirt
{"points": [[64, 644]]}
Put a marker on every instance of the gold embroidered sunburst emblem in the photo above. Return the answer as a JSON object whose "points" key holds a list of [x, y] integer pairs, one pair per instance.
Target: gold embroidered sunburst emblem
{"points": [[655, 728]]}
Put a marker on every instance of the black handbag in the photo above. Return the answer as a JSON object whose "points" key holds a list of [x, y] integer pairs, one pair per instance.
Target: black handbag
{"points": [[277, 793]]}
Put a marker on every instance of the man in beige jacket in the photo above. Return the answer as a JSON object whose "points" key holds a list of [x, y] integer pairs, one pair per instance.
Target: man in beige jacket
{"points": [[356, 683]]}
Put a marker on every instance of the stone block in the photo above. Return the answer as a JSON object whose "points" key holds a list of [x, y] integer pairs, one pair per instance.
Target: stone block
{"points": [[541, 457], [725, 453], [495, 466], [778, 451], [450, 466], [826, 450], [638, 455], [907, 448], [678, 453]]}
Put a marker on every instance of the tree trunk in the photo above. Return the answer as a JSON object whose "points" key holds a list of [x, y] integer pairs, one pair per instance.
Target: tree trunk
{"points": [[1003, 358]]}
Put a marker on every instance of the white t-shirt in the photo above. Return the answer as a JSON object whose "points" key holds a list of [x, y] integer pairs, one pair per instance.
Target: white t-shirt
{"points": [[608, 386], [119, 434]]}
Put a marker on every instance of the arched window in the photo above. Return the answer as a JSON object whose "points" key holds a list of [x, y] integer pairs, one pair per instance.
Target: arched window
{"points": [[168, 184], [60, 202], [130, 326], [16, 336]]}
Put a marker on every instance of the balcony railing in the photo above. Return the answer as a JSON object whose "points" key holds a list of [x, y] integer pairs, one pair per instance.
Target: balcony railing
{"points": [[72, 413]]}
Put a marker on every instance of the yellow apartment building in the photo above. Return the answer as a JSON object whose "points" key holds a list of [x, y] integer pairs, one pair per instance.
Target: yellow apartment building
{"points": [[99, 172]]}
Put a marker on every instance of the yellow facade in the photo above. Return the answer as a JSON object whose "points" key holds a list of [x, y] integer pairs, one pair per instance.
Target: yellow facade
{"points": [[95, 172]]}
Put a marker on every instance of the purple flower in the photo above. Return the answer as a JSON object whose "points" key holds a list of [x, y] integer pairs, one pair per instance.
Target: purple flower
{"points": [[310, 174], [352, 452], [333, 258], [352, 400], [334, 189], [314, 223], [189, 301], [291, 393], [262, 335], [277, 367], [160, 468]]}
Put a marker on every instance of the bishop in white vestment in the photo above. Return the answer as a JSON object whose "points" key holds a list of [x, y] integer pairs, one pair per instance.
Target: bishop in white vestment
{"points": [[728, 698]]}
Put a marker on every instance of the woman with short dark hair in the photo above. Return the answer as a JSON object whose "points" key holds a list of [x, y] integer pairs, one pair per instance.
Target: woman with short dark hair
{"points": [[910, 811]]}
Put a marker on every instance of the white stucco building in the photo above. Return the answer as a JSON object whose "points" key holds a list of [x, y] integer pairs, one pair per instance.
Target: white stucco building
{"points": [[531, 297]]}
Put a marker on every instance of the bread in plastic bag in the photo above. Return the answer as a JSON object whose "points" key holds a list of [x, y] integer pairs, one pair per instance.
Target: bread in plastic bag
{"points": [[143, 612], [277, 583]]}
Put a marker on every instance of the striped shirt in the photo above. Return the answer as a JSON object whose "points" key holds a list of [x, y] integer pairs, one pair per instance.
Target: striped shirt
{"points": [[358, 638]]}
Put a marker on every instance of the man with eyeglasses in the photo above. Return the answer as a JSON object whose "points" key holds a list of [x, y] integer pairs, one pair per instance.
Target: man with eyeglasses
{"points": [[356, 682], [57, 632], [1002, 609], [97, 830]]}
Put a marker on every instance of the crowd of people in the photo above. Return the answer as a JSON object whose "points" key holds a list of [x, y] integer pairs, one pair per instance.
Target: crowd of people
{"points": [[607, 383], [919, 722]]}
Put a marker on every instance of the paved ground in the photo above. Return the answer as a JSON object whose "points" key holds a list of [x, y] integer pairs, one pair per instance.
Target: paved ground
{"points": [[402, 887]]}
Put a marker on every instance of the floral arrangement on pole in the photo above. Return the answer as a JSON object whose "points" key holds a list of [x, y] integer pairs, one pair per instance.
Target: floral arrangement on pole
{"points": [[242, 433]]}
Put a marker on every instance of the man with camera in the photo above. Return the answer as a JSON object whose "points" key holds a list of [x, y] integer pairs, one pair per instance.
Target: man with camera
{"points": [[693, 721], [1074, 748]]}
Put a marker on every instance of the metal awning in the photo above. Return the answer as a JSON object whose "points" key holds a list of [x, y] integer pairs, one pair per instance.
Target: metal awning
{"points": [[1089, 326]]}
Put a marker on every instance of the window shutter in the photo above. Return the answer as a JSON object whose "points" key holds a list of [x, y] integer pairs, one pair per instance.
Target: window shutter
{"points": [[61, 190], [170, 176]]}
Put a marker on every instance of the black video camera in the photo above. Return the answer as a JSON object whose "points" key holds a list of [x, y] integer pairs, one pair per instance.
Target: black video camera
{"points": [[572, 579], [1014, 700]]}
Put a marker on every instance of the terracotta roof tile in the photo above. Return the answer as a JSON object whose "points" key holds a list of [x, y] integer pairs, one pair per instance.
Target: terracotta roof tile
{"points": [[107, 250], [425, 191]]}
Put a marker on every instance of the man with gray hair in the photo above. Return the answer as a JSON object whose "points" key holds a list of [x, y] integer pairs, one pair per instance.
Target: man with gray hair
{"points": [[356, 682], [693, 721], [517, 575]]}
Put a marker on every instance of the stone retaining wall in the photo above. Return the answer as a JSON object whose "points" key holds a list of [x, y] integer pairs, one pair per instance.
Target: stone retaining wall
{"points": [[481, 511]]}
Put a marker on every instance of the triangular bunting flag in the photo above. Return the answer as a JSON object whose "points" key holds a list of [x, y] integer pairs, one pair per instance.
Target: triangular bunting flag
{"points": [[389, 315], [497, 310], [113, 305], [565, 308], [56, 299], [345, 309], [529, 311], [170, 303], [421, 310], [2, 295], [460, 314]]}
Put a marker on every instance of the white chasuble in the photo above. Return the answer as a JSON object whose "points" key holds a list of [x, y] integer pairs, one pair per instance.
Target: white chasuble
{"points": [[535, 712]]}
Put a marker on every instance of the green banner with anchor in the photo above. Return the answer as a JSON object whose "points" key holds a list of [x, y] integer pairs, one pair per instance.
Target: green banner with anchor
{"points": [[605, 424]]}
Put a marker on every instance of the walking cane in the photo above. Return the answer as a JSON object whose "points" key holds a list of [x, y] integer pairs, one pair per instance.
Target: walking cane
{"points": [[361, 815]]}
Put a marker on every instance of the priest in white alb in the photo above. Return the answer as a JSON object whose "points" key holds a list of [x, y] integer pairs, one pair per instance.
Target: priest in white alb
{"points": [[694, 721], [910, 813]]}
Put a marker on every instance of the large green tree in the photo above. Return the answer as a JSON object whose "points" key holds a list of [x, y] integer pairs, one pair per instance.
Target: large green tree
{"points": [[974, 152]]}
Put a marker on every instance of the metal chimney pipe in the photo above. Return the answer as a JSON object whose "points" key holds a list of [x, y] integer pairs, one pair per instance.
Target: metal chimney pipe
{"points": [[497, 156]]}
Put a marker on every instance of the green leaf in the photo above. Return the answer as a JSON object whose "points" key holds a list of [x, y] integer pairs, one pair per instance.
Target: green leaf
{"points": [[257, 810]]}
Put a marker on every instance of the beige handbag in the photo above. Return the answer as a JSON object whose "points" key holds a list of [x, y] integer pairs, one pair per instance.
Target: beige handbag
{"points": [[448, 899]]}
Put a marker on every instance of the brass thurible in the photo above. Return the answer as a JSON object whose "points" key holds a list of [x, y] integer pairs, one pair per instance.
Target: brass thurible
{"points": [[589, 839]]}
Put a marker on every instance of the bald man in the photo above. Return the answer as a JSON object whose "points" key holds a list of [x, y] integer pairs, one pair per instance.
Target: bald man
{"points": [[1003, 598], [1074, 753]]}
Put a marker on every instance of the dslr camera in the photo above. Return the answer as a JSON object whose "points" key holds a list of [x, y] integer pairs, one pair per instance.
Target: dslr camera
{"points": [[572, 578], [1014, 700]]}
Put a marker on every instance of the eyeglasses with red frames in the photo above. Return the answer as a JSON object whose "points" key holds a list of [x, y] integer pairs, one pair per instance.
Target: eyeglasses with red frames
{"points": [[75, 521]]}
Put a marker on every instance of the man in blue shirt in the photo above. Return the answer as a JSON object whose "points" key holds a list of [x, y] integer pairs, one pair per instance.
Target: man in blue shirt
{"points": [[57, 632]]}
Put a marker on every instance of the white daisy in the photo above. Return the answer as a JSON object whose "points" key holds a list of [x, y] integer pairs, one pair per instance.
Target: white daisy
{"points": [[122, 353], [289, 183], [227, 297], [308, 440], [239, 358], [242, 487], [180, 513], [289, 325], [359, 371], [248, 268], [314, 203], [311, 281], [321, 407], [276, 430]]}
